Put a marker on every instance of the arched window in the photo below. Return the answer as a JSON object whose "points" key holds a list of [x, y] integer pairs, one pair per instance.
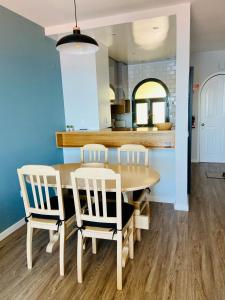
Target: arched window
{"points": [[150, 102], [112, 95]]}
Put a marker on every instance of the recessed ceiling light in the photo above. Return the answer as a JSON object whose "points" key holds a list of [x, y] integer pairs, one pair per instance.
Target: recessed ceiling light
{"points": [[155, 27]]}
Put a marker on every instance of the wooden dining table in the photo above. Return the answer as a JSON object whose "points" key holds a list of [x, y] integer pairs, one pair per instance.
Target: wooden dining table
{"points": [[133, 177]]}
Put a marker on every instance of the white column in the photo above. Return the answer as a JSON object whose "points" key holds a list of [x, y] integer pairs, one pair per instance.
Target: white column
{"points": [[182, 79]]}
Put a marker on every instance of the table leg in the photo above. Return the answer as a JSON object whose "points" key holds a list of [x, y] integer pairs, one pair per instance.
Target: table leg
{"points": [[53, 239]]}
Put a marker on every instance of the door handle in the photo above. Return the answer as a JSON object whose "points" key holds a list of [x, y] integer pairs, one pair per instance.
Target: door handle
{"points": [[203, 124]]}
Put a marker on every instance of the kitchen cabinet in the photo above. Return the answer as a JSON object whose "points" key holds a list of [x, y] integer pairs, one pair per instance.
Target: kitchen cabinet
{"points": [[122, 107]]}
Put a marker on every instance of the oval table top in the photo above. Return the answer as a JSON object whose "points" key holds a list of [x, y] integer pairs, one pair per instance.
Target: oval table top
{"points": [[133, 177]]}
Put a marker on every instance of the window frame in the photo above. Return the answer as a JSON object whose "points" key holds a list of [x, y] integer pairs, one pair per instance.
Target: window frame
{"points": [[150, 101]]}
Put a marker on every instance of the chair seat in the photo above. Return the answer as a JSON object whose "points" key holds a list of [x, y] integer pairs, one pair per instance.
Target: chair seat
{"points": [[127, 211], [69, 208]]}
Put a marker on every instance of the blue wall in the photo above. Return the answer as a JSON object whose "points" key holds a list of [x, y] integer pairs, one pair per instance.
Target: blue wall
{"points": [[31, 106]]}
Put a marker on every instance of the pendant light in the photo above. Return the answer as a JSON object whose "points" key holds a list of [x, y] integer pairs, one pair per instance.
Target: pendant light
{"points": [[77, 43]]}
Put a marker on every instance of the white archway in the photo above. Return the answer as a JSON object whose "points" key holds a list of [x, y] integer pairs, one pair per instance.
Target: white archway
{"points": [[200, 105], [199, 110]]}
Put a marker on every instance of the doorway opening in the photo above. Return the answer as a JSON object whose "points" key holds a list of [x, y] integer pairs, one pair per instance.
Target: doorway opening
{"points": [[212, 120]]}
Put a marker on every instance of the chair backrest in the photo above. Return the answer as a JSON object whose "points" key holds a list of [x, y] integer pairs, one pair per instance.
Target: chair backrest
{"points": [[37, 201], [94, 153], [133, 154], [96, 179]]}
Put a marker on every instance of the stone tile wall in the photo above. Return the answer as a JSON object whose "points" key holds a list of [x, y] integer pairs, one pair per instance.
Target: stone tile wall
{"points": [[164, 71]]}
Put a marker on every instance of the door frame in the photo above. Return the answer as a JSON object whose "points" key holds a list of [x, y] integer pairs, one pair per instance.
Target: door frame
{"points": [[199, 109]]}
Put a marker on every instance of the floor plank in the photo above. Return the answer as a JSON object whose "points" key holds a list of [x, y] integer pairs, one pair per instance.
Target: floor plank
{"points": [[181, 257]]}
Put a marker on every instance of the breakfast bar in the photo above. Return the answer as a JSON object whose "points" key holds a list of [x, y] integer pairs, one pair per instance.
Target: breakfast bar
{"points": [[117, 137]]}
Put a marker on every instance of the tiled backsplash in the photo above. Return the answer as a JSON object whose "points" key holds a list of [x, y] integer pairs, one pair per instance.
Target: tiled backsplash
{"points": [[164, 71]]}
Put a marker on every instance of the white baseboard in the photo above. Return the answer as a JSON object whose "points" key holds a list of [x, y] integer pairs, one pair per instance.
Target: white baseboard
{"points": [[193, 160], [161, 199], [11, 229]]}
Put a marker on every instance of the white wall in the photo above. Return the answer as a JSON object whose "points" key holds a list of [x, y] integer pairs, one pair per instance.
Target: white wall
{"points": [[182, 86], [85, 80], [102, 73], [80, 90], [162, 160], [113, 75], [205, 64]]}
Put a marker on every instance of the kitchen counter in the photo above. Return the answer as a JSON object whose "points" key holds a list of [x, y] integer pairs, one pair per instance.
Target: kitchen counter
{"points": [[115, 137], [138, 129]]}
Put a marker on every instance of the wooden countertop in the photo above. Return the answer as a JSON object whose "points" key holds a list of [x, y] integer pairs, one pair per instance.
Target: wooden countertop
{"points": [[139, 129], [116, 137]]}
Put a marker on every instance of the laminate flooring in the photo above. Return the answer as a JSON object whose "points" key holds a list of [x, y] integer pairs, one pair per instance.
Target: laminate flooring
{"points": [[181, 257]]}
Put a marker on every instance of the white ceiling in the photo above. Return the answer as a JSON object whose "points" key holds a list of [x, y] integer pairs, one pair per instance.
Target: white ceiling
{"points": [[140, 41], [55, 12], [207, 25]]}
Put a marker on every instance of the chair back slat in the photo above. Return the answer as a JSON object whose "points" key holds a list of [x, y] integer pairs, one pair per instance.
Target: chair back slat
{"points": [[94, 153], [128, 157], [104, 205], [119, 207], [33, 191], [47, 192], [90, 155], [38, 201], [132, 154], [40, 192], [138, 157], [96, 180], [96, 200], [88, 194]]}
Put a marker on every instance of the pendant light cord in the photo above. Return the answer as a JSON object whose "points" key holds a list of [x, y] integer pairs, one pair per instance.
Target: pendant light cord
{"points": [[75, 12]]}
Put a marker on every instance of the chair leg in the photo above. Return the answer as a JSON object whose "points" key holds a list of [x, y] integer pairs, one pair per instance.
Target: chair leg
{"points": [[131, 239], [94, 245], [79, 257], [62, 250], [29, 246], [148, 210], [51, 233], [119, 261], [138, 234]]}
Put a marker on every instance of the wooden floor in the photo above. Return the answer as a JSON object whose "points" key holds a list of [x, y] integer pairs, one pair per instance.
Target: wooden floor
{"points": [[181, 257]]}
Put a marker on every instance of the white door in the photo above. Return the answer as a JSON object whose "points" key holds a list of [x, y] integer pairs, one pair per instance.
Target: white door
{"points": [[212, 121]]}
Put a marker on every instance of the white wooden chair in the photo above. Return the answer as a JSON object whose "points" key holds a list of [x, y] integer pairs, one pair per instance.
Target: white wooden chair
{"points": [[133, 154], [102, 219], [94, 153], [136, 154], [43, 211]]}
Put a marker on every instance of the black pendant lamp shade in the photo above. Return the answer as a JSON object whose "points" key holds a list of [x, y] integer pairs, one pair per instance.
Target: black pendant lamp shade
{"points": [[77, 43]]}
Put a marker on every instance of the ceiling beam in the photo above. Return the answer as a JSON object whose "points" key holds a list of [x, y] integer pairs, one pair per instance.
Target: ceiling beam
{"points": [[114, 19]]}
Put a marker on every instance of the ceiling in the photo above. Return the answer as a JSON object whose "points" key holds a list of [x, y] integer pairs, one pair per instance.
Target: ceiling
{"points": [[140, 41], [55, 12], [207, 16]]}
